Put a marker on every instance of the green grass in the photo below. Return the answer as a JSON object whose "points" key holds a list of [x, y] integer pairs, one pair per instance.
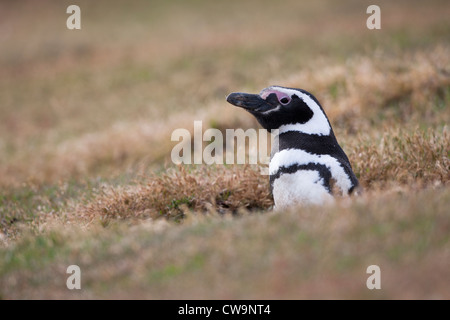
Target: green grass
{"points": [[244, 257]]}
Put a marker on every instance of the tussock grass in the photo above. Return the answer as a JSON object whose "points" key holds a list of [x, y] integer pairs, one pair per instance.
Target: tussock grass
{"points": [[383, 88], [208, 189], [358, 96], [306, 252], [397, 158], [402, 157]]}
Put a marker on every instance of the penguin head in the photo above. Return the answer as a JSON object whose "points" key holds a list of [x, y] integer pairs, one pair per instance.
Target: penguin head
{"points": [[286, 109]]}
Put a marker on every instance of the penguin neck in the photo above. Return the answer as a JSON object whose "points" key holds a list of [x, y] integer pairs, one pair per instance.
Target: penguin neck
{"points": [[289, 137], [317, 125], [303, 128]]}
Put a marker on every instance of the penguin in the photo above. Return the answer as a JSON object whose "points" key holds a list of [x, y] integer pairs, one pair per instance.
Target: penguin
{"points": [[307, 164]]}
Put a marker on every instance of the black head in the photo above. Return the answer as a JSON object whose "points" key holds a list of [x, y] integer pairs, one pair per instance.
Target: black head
{"points": [[281, 108]]}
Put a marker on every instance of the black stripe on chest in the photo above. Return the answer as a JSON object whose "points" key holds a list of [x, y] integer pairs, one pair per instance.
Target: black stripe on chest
{"points": [[316, 144], [311, 143], [323, 171]]}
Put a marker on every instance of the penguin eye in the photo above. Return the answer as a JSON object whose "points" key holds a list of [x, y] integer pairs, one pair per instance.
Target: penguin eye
{"points": [[285, 100]]}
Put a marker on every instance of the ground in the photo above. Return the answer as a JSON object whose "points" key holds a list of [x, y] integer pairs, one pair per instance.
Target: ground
{"points": [[85, 143]]}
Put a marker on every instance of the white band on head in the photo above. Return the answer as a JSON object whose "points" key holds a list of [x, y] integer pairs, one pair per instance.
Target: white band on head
{"points": [[318, 124]]}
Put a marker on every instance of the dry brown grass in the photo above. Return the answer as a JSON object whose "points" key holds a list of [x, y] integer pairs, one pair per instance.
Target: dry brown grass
{"points": [[359, 97], [302, 253], [395, 89], [214, 189], [397, 158], [405, 158]]}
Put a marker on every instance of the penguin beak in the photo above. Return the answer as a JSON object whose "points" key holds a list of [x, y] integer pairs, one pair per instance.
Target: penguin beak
{"points": [[250, 102]]}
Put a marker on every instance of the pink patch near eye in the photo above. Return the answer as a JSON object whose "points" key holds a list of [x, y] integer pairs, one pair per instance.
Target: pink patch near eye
{"points": [[280, 95]]}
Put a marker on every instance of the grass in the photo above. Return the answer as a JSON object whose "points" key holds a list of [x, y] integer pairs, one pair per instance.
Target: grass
{"points": [[322, 250], [85, 170]]}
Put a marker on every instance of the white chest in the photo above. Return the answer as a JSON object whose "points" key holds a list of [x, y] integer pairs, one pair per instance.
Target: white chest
{"points": [[289, 157], [301, 187]]}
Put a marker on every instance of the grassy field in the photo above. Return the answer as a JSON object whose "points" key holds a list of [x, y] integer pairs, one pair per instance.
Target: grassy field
{"points": [[86, 177]]}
